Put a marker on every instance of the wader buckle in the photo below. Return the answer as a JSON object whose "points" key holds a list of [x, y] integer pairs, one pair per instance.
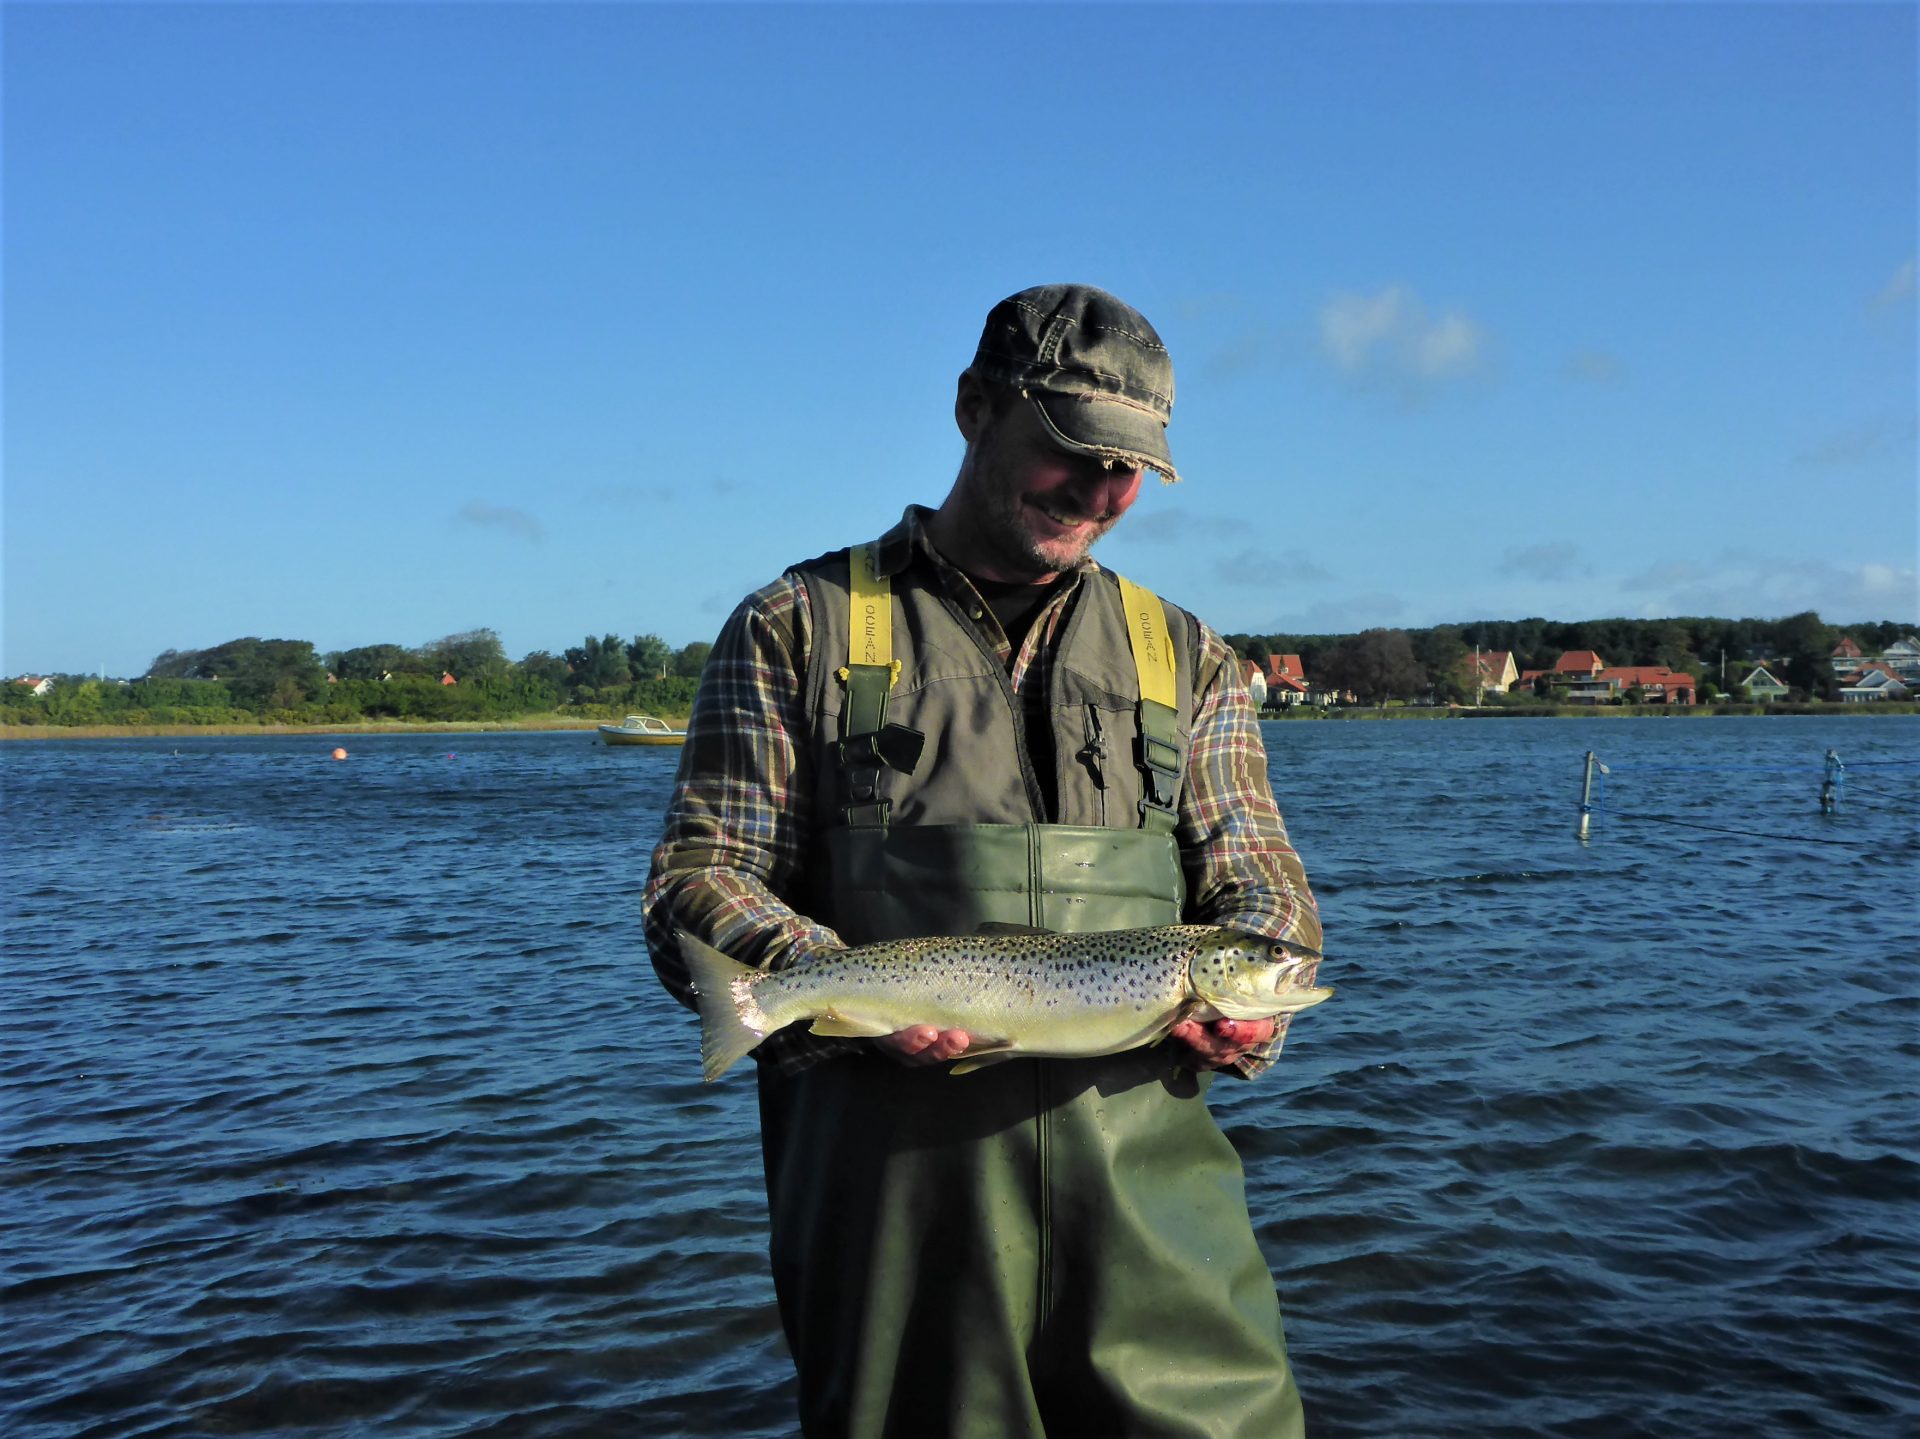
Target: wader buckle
{"points": [[1160, 775], [896, 747]]}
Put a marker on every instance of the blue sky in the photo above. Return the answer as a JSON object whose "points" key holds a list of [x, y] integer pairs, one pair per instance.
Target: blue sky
{"points": [[372, 323]]}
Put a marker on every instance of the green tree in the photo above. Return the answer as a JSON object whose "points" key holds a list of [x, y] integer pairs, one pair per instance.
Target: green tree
{"points": [[542, 667], [1805, 644], [692, 659], [470, 656], [1442, 653], [649, 657], [370, 662], [1376, 665], [254, 668], [599, 663]]}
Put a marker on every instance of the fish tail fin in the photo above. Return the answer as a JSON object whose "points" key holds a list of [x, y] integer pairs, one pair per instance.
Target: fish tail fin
{"points": [[725, 1036]]}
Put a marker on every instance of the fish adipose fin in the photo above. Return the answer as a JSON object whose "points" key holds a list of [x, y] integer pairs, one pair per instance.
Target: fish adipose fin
{"points": [[725, 1038], [983, 1052], [839, 1026], [994, 926]]}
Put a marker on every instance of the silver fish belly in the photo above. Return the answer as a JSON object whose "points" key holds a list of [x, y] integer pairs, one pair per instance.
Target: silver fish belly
{"points": [[1025, 993]]}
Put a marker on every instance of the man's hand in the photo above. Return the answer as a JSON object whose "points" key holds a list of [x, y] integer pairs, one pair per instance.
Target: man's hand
{"points": [[924, 1044], [1219, 1042]]}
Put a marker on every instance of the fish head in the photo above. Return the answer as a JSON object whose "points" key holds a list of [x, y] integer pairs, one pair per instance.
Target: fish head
{"points": [[1248, 976]]}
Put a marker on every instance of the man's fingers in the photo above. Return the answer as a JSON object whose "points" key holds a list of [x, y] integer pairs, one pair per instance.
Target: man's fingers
{"points": [[926, 1043], [949, 1044], [1222, 1041]]}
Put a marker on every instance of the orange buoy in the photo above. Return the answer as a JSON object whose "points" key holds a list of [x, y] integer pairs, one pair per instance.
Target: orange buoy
{"points": [[339, 754]]}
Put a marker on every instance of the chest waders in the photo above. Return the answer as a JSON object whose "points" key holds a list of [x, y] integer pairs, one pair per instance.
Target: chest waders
{"points": [[1042, 1247]]}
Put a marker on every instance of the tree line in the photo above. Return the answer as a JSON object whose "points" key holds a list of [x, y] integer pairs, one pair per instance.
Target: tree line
{"points": [[1431, 664], [253, 680]]}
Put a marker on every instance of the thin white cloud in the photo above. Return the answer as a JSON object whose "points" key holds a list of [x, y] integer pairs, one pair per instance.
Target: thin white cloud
{"points": [[1273, 569], [1340, 617], [1178, 528], [1594, 367], [501, 517], [1546, 562], [1745, 582], [1897, 291], [1391, 336], [1849, 449]]}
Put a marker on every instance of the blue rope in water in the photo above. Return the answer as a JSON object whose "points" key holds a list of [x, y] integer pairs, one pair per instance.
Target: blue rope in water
{"points": [[1801, 768], [1597, 798], [1755, 834]]}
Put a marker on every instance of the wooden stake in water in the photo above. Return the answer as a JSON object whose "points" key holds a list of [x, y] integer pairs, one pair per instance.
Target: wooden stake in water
{"points": [[1830, 786], [1586, 796]]}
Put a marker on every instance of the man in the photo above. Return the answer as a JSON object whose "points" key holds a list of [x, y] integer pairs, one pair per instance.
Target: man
{"points": [[957, 724]]}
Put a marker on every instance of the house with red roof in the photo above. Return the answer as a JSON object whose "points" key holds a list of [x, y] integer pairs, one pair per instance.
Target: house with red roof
{"points": [[36, 685], [1289, 691], [1657, 685], [1490, 671], [1582, 664], [1846, 657], [1287, 682]]}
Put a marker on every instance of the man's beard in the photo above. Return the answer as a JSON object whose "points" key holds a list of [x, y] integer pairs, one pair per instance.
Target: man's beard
{"points": [[1003, 529]]}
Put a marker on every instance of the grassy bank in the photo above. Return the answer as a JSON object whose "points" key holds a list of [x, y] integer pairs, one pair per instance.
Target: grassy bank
{"points": [[1297, 714], [521, 723]]}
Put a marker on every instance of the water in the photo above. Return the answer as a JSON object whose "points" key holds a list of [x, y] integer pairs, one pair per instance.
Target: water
{"points": [[339, 1098]]}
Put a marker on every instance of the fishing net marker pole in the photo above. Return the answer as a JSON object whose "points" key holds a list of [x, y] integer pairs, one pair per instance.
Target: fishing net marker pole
{"points": [[1835, 772], [1586, 797], [1830, 784]]}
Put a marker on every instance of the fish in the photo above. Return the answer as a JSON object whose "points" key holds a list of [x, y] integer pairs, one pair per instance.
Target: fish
{"points": [[1018, 992]]}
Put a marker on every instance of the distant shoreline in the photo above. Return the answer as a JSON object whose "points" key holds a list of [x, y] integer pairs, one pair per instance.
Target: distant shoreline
{"points": [[524, 725], [529, 724]]}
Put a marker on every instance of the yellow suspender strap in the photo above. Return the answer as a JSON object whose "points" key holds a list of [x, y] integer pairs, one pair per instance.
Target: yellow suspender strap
{"points": [[870, 639], [871, 670], [1152, 646], [1158, 756]]}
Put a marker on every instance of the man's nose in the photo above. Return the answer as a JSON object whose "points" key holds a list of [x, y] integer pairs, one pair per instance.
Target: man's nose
{"points": [[1100, 488]]}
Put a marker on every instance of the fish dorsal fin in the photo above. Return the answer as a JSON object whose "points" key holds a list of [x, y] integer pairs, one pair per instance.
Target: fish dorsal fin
{"points": [[994, 926]]}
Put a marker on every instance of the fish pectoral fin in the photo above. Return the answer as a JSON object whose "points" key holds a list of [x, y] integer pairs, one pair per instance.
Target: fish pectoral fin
{"points": [[983, 1052], [994, 926], [835, 1025]]}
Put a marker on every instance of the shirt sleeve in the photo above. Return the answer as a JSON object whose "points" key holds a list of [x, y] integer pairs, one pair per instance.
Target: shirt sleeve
{"points": [[1242, 870], [731, 860]]}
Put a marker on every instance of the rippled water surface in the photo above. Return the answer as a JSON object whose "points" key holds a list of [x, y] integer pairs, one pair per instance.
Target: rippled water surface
{"points": [[337, 1097]]}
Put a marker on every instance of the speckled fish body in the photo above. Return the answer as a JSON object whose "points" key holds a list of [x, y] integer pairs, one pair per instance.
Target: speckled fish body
{"points": [[1023, 993]]}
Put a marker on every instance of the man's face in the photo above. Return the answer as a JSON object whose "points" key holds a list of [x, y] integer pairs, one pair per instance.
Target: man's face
{"points": [[1033, 509]]}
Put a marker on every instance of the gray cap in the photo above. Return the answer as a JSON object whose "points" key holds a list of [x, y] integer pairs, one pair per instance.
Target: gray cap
{"points": [[1091, 365]]}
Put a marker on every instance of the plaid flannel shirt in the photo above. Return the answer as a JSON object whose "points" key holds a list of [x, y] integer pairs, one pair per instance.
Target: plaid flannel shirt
{"points": [[740, 830]]}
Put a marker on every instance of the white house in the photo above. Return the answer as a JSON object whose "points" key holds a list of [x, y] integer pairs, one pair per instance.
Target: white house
{"points": [[1875, 682], [1762, 687]]}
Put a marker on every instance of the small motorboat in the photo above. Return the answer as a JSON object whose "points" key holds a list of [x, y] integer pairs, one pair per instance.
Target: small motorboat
{"points": [[641, 729]]}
